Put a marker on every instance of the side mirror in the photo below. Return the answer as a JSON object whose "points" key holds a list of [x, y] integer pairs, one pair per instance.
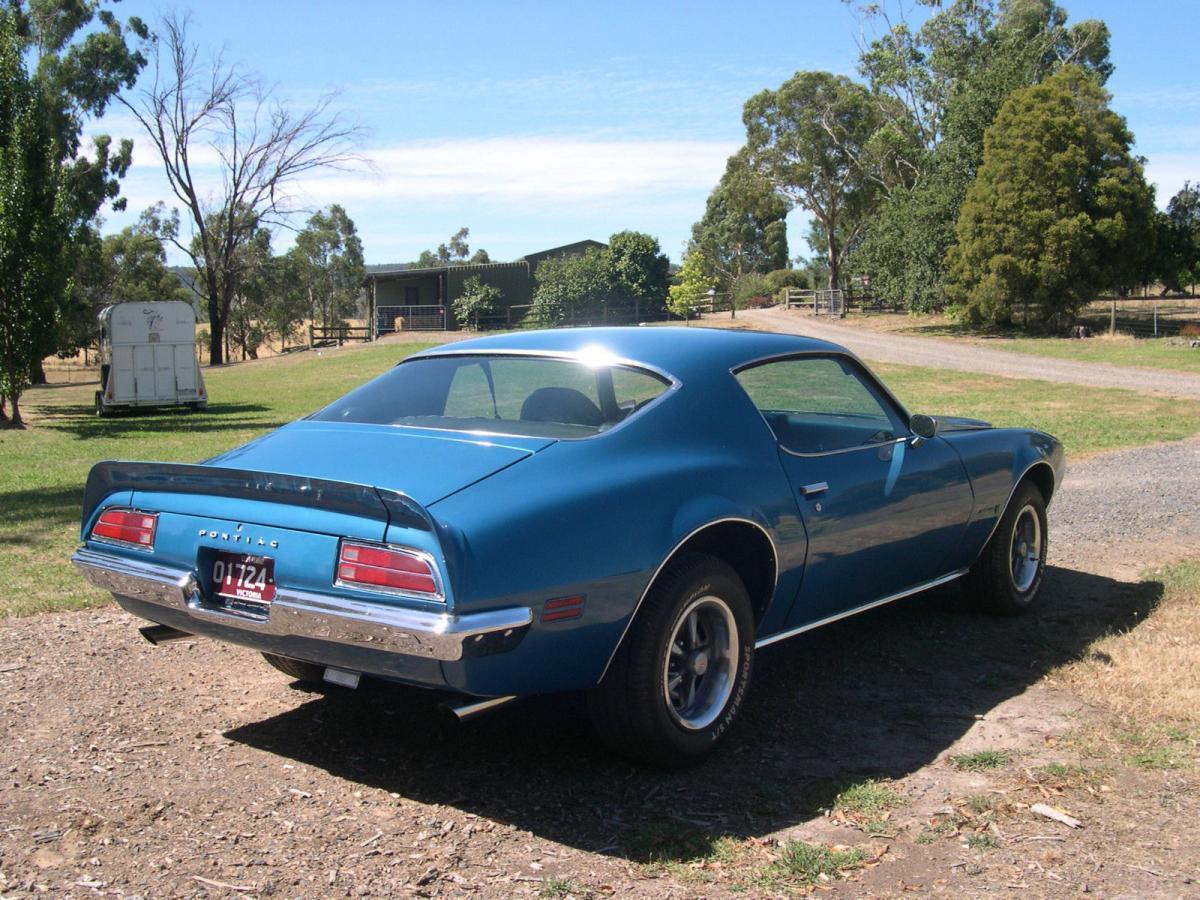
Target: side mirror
{"points": [[924, 427]]}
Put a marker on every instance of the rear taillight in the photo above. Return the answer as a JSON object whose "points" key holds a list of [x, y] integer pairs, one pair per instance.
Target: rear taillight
{"points": [[388, 569], [126, 527]]}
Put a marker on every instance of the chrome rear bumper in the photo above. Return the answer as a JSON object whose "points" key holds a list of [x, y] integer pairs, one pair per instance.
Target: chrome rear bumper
{"points": [[321, 617]]}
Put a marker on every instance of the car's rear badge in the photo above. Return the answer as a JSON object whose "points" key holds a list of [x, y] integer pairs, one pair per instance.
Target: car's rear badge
{"points": [[239, 538]]}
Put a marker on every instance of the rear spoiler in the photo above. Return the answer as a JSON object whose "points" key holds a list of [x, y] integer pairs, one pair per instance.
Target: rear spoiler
{"points": [[346, 497]]}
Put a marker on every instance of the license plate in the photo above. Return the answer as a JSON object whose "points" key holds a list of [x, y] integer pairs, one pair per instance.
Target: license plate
{"points": [[245, 578]]}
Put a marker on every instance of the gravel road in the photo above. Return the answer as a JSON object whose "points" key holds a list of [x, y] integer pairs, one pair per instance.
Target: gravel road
{"points": [[193, 769], [944, 354]]}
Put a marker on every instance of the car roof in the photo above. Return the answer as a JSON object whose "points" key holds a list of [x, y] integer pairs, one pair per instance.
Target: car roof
{"points": [[677, 351]]}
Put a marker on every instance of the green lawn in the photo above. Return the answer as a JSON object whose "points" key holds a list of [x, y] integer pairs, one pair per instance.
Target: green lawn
{"points": [[1155, 353], [42, 469]]}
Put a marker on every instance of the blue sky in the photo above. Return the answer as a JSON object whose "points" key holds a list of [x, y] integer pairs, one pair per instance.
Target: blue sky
{"points": [[539, 123]]}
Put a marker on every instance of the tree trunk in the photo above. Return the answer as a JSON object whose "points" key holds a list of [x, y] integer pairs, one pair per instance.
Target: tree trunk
{"points": [[37, 373], [831, 253], [216, 339], [14, 416], [3, 411]]}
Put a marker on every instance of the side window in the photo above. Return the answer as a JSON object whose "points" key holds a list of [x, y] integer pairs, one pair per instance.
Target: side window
{"points": [[819, 404]]}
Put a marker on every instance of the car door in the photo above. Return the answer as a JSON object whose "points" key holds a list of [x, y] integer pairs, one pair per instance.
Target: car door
{"points": [[883, 509]]}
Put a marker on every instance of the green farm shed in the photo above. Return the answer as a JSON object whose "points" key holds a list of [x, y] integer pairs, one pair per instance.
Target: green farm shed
{"points": [[406, 298]]}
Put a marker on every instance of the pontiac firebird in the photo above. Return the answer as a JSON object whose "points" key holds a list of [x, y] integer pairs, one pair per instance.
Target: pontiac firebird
{"points": [[631, 513]]}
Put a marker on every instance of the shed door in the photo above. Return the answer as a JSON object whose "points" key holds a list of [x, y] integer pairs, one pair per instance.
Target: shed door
{"points": [[122, 375], [143, 371], [185, 368]]}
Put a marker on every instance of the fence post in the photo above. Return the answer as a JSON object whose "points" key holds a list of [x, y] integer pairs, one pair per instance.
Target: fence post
{"points": [[1112, 321]]}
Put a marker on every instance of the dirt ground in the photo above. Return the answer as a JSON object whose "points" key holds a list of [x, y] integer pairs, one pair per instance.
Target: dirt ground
{"points": [[194, 769]]}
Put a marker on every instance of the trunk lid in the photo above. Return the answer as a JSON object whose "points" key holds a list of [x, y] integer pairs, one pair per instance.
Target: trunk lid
{"points": [[424, 463]]}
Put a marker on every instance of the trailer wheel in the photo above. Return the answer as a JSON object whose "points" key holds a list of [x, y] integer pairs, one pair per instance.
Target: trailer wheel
{"points": [[100, 409], [198, 406]]}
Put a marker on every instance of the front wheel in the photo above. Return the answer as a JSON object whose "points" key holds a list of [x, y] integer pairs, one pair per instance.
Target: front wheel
{"points": [[678, 680], [1006, 577]]}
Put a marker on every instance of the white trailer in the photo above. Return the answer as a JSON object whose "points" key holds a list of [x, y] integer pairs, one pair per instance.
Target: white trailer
{"points": [[148, 357]]}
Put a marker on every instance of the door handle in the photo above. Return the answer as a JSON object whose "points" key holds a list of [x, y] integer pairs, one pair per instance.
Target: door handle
{"points": [[817, 487]]}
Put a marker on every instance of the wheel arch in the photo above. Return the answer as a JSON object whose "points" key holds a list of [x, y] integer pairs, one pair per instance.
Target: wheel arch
{"points": [[1041, 475], [743, 544]]}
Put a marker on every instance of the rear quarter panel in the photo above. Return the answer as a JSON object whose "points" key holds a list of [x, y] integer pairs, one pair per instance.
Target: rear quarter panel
{"points": [[599, 516]]}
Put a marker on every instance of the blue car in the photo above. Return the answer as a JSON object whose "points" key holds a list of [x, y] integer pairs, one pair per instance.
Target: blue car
{"points": [[631, 513]]}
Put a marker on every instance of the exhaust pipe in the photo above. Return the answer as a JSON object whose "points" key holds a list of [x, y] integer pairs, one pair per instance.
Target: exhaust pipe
{"points": [[161, 634], [470, 709]]}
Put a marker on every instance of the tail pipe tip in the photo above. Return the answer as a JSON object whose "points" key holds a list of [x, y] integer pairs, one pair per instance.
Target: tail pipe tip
{"points": [[470, 708], [161, 634]]}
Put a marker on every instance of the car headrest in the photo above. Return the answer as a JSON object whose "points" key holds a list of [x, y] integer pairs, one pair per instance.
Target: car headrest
{"points": [[566, 406]]}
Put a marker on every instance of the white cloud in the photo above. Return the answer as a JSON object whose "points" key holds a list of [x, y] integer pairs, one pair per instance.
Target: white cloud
{"points": [[532, 170]]}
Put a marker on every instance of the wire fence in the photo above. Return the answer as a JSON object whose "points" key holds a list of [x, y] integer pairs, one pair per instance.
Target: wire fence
{"points": [[1144, 317]]}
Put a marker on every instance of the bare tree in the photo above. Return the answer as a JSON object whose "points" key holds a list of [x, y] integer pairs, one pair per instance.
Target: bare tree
{"points": [[259, 144]]}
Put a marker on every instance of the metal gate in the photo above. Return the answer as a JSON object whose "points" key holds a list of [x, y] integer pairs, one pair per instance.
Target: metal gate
{"points": [[409, 318]]}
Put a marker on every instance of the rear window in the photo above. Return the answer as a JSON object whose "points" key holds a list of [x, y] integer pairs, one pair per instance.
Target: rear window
{"points": [[523, 395]]}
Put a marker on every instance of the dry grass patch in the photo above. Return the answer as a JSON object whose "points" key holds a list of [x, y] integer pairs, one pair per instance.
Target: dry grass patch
{"points": [[1152, 671]]}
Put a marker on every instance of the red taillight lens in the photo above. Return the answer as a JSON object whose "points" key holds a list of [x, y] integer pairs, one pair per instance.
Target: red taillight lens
{"points": [[387, 569], [123, 526]]}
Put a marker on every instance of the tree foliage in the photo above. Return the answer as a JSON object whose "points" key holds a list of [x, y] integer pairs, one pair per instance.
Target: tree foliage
{"points": [[477, 300], [949, 79], [743, 228], [129, 266], [574, 288], [78, 58], [625, 280], [328, 258], [1177, 258], [814, 140], [262, 146], [692, 284], [1057, 210], [455, 252]]}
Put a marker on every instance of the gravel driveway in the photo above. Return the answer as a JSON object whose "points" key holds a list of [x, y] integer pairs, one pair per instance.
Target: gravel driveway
{"points": [[943, 354], [193, 769]]}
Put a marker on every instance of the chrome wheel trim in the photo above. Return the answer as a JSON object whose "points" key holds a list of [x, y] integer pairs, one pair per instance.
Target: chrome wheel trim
{"points": [[1025, 551], [701, 663]]}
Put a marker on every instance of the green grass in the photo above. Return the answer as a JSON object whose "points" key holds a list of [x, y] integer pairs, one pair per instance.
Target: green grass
{"points": [[981, 760], [803, 864], [868, 798], [981, 840], [1153, 353], [555, 888], [1084, 419], [43, 468]]}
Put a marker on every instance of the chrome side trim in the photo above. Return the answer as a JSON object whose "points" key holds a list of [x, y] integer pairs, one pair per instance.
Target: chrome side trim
{"points": [[784, 635], [670, 556], [1016, 484], [294, 613]]}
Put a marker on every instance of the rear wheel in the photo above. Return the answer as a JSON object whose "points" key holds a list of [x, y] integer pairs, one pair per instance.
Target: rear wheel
{"points": [[100, 410], [678, 680], [1006, 577], [301, 671]]}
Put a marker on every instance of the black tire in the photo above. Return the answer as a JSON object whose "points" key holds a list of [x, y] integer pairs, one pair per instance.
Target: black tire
{"points": [[632, 708], [100, 410], [998, 583], [301, 671]]}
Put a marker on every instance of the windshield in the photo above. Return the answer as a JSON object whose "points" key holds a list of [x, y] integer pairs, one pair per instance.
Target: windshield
{"points": [[521, 395]]}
